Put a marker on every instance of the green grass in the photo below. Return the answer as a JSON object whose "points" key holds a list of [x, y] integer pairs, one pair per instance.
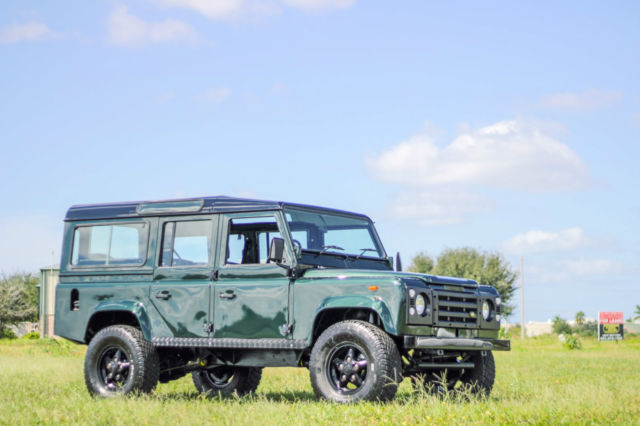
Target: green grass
{"points": [[539, 381]]}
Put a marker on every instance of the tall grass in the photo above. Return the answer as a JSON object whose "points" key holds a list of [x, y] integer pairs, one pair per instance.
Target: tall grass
{"points": [[539, 381]]}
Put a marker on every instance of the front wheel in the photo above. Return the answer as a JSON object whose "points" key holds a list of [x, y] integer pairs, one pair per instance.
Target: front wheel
{"points": [[355, 361], [227, 380]]}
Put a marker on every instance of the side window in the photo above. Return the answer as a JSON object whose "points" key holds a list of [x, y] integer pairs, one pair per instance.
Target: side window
{"points": [[186, 243], [249, 239], [110, 245]]}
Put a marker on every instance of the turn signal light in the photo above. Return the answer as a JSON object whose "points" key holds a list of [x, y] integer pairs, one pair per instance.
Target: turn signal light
{"points": [[373, 287]]}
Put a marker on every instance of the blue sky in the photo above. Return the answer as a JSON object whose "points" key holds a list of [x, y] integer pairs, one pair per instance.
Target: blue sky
{"points": [[509, 126]]}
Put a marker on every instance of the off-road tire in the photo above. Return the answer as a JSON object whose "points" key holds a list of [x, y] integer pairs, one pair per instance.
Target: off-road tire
{"points": [[142, 372], [482, 376], [384, 366], [243, 381]]}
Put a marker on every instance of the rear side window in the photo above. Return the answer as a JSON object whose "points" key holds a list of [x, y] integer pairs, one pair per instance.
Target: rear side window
{"points": [[186, 243], [110, 245]]}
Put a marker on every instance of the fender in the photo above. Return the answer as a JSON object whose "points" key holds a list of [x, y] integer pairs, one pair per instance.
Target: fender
{"points": [[375, 303], [129, 306]]}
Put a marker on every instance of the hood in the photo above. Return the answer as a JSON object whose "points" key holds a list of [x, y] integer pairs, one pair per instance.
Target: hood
{"points": [[342, 274]]}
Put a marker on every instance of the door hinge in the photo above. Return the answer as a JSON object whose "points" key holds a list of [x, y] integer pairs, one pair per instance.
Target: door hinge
{"points": [[286, 329], [214, 275], [208, 327]]}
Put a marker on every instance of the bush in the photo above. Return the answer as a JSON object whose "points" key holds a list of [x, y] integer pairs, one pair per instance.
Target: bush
{"points": [[6, 333], [31, 336], [587, 329], [560, 326], [572, 342]]}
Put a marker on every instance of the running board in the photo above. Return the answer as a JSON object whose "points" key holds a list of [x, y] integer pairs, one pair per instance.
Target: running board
{"points": [[228, 343]]}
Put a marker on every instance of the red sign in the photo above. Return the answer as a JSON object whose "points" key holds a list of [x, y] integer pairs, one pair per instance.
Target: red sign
{"points": [[610, 317]]}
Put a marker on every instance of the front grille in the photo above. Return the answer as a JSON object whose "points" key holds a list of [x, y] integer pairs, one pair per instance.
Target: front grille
{"points": [[454, 309]]}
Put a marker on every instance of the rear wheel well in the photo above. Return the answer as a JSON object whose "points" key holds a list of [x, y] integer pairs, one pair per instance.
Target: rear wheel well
{"points": [[101, 320], [328, 317]]}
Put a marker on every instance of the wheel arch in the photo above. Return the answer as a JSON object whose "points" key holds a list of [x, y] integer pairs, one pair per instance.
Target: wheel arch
{"points": [[336, 309], [126, 312]]}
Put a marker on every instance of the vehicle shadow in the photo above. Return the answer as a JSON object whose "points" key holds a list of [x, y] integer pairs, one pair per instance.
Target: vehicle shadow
{"points": [[286, 397]]}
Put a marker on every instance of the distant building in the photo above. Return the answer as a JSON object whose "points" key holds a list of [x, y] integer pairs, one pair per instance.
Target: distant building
{"points": [[49, 278]]}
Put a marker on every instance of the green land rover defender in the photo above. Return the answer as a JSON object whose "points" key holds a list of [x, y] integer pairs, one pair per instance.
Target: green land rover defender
{"points": [[221, 287]]}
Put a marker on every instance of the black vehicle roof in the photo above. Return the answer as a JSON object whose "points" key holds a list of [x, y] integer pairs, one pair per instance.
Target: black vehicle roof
{"points": [[183, 206]]}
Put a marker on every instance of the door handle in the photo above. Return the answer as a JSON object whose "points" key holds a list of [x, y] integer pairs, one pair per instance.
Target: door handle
{"points": [[164, 295], [228, 295]]}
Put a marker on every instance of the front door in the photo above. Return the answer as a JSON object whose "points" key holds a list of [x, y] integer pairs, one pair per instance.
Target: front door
{"points": [[181, 287], [251, 295]]}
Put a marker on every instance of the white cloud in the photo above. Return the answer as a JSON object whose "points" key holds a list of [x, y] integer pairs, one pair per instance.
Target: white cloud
{"points": [[217, 95], [508, 154], [126, 29], [212, 9], [592, 266], [320, 4], [588, 100], [30, 31], [439, 206], [537, 241]]}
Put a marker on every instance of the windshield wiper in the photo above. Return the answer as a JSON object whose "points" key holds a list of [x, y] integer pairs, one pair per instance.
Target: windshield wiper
{"points": [[326, 248], [364, 250]]}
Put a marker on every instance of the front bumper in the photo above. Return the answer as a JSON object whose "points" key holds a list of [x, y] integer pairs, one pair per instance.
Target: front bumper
{"points": [[455, 343]]}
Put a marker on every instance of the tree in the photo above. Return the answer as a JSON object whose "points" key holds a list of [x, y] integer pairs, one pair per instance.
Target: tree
{"points": [[636, 313], [484, 267], [421, 263], [579, 318], [18, 299]]}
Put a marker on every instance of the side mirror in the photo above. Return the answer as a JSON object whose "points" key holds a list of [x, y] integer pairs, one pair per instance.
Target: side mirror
{"points": [[276, 251], [398, 262]]}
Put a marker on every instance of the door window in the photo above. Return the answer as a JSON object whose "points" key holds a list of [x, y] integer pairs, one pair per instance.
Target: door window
{"points": [[249, 239]]}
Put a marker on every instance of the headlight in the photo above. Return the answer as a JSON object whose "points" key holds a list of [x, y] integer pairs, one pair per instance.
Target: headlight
{"points": [[486, 310], [421, 305]]}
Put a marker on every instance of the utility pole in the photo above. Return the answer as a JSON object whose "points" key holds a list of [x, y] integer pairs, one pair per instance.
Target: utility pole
{"points": [[522, 333]]}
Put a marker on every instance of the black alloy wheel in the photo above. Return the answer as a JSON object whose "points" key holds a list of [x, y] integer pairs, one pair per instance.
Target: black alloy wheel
{"points": [[347, 368], [114, 368], [227, 380]]}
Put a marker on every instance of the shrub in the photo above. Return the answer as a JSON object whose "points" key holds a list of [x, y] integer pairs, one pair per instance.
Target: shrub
{"points": [[7, 333], [572, 342], [560, 326], [31, 335], [587, 329]]}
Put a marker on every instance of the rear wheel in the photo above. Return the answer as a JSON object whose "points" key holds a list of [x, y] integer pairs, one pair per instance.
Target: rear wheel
{"points": [[355, 361], [226, 380], [120, 361]]}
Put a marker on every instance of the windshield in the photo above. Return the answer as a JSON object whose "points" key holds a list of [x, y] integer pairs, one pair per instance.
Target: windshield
{"points": [[333, 233]]}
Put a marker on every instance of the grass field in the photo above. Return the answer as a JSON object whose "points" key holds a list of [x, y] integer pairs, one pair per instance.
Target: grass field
{"points": [[539, 381]]}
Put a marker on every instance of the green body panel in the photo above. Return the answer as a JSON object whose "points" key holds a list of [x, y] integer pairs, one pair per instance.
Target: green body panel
{"points": [[186, 310], [127, 294], [251, 302], [315, 293]]}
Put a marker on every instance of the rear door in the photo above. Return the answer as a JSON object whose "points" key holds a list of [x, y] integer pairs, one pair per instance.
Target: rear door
{"points": [[181, 287], [251, 295]]}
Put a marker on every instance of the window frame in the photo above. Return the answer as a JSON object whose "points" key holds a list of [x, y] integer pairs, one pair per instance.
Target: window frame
{"points": [[146, 235]]}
